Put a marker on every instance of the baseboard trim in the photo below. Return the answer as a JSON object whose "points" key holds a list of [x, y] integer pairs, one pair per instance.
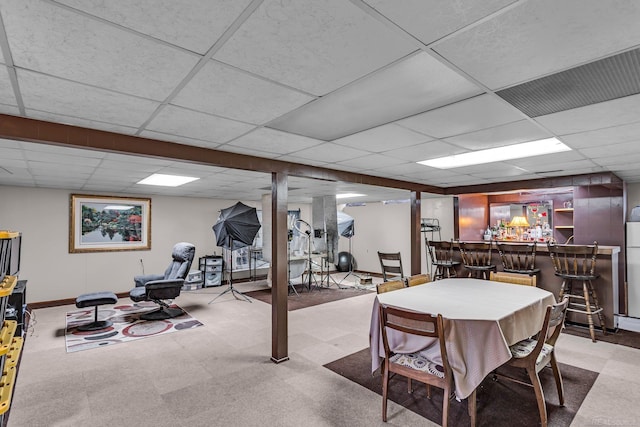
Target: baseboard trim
{"points": [[629, 323]]}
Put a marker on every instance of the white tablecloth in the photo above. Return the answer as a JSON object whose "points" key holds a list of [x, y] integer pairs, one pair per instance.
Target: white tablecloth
{"points": [[482, 319]]}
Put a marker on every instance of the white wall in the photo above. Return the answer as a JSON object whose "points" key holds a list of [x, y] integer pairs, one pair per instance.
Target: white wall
{"points": [[42, 216], [387, 228]]}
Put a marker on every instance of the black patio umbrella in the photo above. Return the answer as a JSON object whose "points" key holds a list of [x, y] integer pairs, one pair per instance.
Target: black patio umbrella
{"points": [[237, 226]]}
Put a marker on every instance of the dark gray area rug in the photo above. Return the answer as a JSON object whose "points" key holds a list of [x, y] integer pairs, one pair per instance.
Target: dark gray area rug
{"points": [[306, 298], [500, 403]]}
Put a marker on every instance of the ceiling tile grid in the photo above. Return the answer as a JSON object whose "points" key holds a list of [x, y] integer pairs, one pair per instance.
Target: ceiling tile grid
{"points": [[50, 39], [192, 24], [367, 86], [313, 45]]}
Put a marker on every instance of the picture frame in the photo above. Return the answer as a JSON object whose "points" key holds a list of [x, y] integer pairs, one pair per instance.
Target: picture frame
{"points": [[109, 223]]}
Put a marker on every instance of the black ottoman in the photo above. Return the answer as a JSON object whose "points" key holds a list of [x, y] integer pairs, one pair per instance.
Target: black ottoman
{"points": [[96, 299]]}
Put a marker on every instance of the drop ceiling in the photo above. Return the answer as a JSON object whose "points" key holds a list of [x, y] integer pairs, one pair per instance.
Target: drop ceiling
{"points": [[368, 87]]}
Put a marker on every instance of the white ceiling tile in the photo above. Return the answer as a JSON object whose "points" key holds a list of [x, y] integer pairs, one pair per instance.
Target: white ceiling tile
{"points": [[596, 116], [57, 96], [370, 161], [430, 20], [381, 138], [10, 143], [511, 133], [61, 159], [619, 161], [192, 124], [228, 92], [273, 141], [555, 159], [611, 135], [53, 40], [9, 109], [424, 151], [77, 121], [192, 24], [315, 46], [470, 115], [329, 152], [410, 86], [536, 38], [632, 147], [7, 96]]}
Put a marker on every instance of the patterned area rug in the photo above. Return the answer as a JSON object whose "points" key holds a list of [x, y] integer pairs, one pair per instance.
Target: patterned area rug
{"points": [[127, 326], [499, 403]]}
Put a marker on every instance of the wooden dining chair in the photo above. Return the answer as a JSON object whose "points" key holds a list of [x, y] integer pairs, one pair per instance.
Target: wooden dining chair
{"points": [[415, 365], [391, 264], [418, 279], [476, 258], [515, 278], [392, 285], [533, 354]]}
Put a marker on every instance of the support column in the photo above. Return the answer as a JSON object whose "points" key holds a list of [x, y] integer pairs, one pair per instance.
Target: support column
{"points": [[416, 246], [279, 285]]}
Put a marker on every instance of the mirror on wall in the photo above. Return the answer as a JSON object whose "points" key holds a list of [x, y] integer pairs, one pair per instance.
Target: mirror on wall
{"points": [[537, 213]]}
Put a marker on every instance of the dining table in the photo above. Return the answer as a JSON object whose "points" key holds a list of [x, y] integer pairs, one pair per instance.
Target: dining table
{"points": [[481, 320]]}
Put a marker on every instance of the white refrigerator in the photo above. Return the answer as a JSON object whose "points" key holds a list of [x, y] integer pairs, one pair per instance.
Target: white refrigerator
{"points": [[633, 268]]}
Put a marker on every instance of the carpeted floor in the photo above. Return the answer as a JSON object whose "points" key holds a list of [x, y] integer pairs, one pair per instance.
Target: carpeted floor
{"points": [[620, 337], [500, 403], [306, 298], [127, 326]]}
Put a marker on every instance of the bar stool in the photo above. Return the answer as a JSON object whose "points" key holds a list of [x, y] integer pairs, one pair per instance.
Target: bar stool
{"points": [[518, 258], [577, 263], [441, 255], [476, 257]]}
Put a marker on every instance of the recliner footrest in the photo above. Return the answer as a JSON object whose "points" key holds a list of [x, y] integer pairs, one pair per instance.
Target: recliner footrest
{"points": [[95, 299]]}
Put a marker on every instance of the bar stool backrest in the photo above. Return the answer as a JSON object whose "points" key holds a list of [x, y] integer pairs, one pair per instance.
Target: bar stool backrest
{"points": [[574, 261], [476, 254], [517, 257], [440, 251]]}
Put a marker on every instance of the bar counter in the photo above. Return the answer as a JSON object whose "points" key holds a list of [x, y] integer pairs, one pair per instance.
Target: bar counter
{"points": [[606, 286]]}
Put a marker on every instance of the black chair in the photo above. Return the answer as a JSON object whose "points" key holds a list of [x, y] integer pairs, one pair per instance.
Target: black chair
{"points": [[518, 258], [167, 286], [476, 258], [391, 264], [441, 255], [577, 263]]}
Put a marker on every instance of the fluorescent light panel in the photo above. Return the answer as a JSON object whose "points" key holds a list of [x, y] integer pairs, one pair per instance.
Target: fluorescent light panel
{"points": [[349, 195], [498, 154], [167, 180]]}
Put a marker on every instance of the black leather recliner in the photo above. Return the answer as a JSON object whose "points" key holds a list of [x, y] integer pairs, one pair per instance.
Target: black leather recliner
{"points": [[167, 286]]}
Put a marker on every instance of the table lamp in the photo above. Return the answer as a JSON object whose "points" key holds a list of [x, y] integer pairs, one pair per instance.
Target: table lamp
{"points": [[518, 222]]}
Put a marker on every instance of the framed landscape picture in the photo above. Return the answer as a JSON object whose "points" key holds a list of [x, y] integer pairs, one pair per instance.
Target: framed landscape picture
{"points": [[104, 223]]}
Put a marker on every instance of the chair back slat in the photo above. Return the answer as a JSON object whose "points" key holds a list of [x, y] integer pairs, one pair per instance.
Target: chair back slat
{"points": [[517, 257], [476, 254], [391, 264], [574, 260]]}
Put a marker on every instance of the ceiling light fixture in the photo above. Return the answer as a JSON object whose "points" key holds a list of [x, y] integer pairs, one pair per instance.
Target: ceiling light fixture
{"points": [[498, 154], [167, 180], [349, 195]]}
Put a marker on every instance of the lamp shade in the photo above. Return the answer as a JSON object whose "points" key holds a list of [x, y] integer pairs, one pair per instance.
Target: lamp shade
{"points": [[518, 221]]}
